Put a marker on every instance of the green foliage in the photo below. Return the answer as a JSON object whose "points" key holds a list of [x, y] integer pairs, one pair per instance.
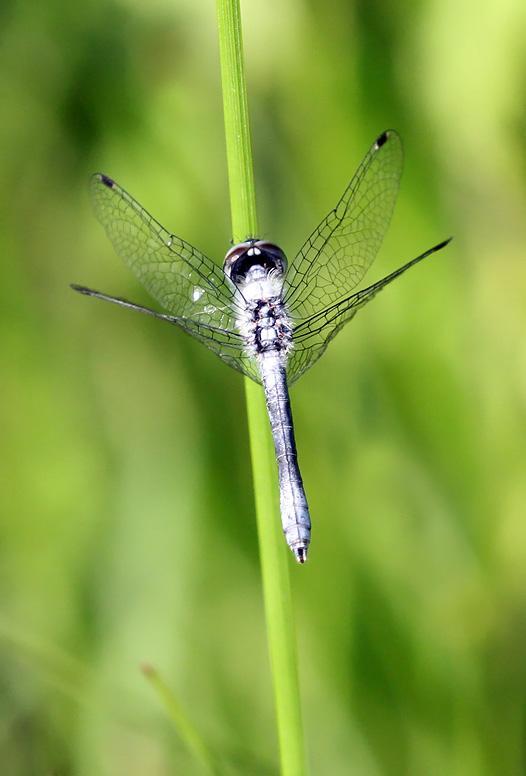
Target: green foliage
{"points": [[127, 521]]}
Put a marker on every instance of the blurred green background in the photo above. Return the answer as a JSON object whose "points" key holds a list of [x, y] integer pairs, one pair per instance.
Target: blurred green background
{"points": [[127, 525]]}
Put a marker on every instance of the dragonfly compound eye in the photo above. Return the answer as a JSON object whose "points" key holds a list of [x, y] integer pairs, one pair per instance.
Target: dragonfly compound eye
{"points": [[253, 253]]}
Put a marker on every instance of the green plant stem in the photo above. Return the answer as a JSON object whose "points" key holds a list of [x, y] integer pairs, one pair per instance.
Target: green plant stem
{"points": [[274, 563], [181, 721]]}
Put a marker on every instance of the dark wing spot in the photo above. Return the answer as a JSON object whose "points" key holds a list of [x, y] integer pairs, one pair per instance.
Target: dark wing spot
{"points": [[380, 141], [80, 289], [107, 181]]}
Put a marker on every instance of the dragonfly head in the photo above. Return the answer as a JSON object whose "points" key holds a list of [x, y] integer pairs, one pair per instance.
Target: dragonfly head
{"points": [[254, 260]]}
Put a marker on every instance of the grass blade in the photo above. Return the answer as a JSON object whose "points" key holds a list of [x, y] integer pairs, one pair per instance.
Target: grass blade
{"points": [[273, 553], [183, 725]]}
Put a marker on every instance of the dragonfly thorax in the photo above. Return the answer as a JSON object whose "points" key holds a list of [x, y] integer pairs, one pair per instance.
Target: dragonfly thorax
{"points": [[257, 269], [265, 326]]}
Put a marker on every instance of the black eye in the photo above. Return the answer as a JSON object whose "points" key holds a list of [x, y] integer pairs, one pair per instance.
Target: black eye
{"points": [[235, 252], [272, 250], [253, 253]]}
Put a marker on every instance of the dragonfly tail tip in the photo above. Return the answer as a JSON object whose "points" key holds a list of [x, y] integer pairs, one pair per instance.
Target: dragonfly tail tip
{"points": [[300, 554]]}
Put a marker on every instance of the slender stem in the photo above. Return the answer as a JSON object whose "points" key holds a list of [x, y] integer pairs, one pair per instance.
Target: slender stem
{"points": [[181, 721], [237, 130], [274, 563]]}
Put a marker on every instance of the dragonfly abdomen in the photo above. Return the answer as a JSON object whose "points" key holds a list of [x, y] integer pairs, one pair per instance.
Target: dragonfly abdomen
{"points": [[295, 516]]}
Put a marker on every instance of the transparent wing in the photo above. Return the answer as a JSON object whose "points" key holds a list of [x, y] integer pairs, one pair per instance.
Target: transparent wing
{"points": [[189, 285], [183, 280], [312, 335], [336, 256]]}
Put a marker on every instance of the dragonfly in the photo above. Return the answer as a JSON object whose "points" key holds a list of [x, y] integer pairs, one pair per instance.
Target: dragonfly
{"points": [[267, 318]]}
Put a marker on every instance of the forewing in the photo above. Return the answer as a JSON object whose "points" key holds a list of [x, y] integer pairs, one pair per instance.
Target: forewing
{"points": [[336, 256], [183, 280], [312, 335], [189, 285]]}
